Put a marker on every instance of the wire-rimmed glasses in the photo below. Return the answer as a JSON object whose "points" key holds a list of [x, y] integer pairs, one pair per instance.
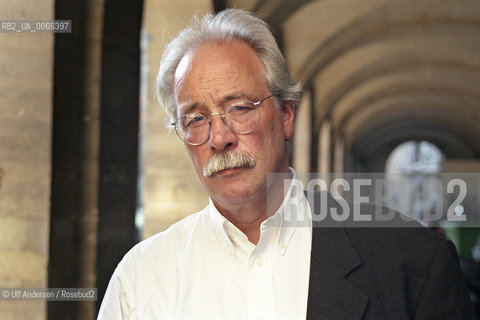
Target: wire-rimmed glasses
{"points": [[241, 117]]}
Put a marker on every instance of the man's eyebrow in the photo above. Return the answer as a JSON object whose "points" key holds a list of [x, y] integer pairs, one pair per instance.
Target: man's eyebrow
{"points": [[223, 101], [188, 109], [235, 97]]}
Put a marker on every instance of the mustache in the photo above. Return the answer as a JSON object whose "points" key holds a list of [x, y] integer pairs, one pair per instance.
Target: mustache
{"points": [[228, 160]]}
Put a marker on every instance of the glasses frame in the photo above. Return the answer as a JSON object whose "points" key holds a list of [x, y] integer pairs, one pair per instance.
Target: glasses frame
{"points": [[224, 119]]}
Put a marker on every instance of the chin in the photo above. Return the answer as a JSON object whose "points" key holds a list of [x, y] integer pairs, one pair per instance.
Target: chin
{"points": [[234, 195]]}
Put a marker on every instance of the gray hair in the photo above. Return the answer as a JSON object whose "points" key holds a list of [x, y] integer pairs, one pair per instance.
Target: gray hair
{"points": [[224, 26]]}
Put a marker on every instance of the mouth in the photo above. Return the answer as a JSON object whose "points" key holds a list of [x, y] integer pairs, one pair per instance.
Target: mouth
{"points": [[228, 171]]}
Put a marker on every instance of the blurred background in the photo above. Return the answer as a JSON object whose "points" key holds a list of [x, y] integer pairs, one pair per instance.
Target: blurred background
{"points": [[88, 168]]}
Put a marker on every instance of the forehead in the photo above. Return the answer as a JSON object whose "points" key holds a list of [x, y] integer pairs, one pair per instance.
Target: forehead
{"points": [[218, 69]]}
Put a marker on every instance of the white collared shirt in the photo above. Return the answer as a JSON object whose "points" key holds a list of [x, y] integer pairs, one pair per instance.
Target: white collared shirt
{"points": [[204, 267]]}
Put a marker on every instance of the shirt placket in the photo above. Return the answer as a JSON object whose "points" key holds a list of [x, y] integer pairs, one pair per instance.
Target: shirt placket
{"points": [[260, 282]]}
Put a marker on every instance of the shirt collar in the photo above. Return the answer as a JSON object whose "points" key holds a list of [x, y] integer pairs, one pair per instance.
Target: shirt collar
{"points": [[220, 225], [293, 209]]}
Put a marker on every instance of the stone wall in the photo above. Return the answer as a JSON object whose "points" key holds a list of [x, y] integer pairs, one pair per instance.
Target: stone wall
{"points": [[26, 64]]}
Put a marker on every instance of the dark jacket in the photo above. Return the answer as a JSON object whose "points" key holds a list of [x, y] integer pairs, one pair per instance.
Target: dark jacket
{"points": [[399, 272]]}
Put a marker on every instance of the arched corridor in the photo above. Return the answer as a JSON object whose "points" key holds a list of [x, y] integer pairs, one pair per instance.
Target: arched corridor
{"points": [[86, 149]]}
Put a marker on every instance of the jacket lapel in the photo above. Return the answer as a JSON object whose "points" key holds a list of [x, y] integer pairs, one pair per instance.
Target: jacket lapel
{"points": [[331, 295]]}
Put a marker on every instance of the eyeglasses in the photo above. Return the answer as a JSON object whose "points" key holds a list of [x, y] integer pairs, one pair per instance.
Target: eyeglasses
{"points": [[241, 117]]}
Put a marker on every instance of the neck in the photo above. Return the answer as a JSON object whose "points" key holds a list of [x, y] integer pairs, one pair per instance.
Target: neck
{"points": [[249, 215]]}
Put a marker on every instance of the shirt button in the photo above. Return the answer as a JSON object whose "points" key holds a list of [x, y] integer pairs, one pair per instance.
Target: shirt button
{"points": [[258, 262], [282, 245]]}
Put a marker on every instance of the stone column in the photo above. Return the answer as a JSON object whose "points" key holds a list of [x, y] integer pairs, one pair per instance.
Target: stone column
{"points": [[324, 147], [339, 155], [302, 136], [89, 162]]}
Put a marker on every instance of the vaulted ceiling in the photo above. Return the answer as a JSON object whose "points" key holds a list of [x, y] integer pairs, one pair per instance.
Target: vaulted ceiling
{"points": [[385, 71]]}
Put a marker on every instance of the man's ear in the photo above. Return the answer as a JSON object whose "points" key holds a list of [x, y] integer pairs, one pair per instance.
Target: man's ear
{"points": [[288, 113]]}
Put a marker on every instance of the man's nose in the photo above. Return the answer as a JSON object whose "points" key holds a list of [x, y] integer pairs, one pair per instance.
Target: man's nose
{"points": [[221, 136]]}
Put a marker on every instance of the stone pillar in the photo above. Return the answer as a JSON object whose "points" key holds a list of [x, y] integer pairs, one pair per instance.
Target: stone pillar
{"points": [[119, 118], [302, 136], [26, 63], [339, 155], [89, 162], [324, 147], [75, 165]]}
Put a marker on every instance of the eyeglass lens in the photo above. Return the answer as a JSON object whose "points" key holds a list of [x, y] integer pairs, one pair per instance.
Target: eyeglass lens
{"points": [[241, 118]]}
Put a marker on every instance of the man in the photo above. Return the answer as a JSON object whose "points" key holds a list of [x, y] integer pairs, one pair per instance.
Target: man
{"points": [[246, 255]]}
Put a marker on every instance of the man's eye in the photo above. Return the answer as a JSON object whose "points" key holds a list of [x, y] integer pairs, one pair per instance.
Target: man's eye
{"points": [[192, 121], [240, 109]]}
